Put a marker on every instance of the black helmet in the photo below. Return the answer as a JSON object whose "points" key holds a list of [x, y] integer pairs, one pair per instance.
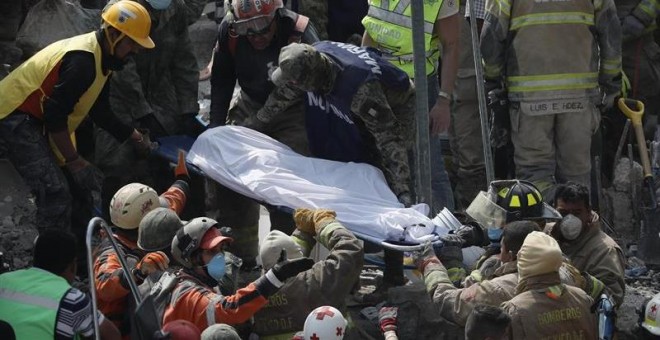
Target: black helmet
{"points": [[521, 200]]}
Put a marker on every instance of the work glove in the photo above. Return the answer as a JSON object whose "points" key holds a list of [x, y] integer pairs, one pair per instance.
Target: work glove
{"points": [[181, 171], [421, 258], [387, 318], [144, 145], [471, 234], [500, 122], [631, 27], [85, 175], [609, 99], [405, 199], [313, 220], [451, 251], [153, 262], [285, 268]]}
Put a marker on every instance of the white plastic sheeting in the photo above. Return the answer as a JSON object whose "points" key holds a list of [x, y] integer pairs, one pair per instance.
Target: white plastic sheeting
{"points": [[262, 168]]}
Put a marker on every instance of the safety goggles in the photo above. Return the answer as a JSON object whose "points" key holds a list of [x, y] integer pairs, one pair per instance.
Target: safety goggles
{"points": [[254, 26]]}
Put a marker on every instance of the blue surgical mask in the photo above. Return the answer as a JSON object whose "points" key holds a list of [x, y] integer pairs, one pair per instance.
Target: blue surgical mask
{"points": [[494, 235], [216, 267], [159, 4]]}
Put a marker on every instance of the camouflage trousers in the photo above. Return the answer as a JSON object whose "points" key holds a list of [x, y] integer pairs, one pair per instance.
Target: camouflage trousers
{"points": [[466, 143], [23, 141], [553, 148]]}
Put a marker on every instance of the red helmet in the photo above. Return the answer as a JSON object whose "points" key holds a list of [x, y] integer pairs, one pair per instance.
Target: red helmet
{"points": [[181, 330], [253, 16], [249, 9]]}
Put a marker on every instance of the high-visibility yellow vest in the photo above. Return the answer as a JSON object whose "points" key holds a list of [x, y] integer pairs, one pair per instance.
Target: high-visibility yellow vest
{"points": [[389, 24], [32, 82], [29, 301]]}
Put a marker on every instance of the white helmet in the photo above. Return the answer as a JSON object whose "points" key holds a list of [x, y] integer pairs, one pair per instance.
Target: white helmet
{"points": [[652, 316], [325, 323], [130, 203]]}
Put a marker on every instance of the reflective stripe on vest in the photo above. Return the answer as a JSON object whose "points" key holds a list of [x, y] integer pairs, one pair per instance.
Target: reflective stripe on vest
{"points": [[210, 309], [27, 81], [551, 18], [29, 301], [610, 66], [389, 24], [552, 82]]}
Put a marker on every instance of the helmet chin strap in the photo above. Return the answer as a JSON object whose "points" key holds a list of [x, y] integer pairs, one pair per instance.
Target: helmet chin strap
{"points": [[114, 43]]}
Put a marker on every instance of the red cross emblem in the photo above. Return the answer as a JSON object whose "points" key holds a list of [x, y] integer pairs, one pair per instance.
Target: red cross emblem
{"points": [[314, 337], [323, 312], [654, 309], [340, 331]]}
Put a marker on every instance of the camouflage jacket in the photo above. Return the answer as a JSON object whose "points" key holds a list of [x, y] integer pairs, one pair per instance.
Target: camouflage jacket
{"points": [[162, 81]]}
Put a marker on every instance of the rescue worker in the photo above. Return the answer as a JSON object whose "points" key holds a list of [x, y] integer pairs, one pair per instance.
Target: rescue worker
{"points": [[11, 15], [641, 53], [325, 322], [128, 208], [648, 319], [39, 302], [249, 42], [156, 91], [543, 306], [49, 95], [487, 323], [581, 239], [198, 247], [456, 304], [465, 128], [328, 282], [559, 70], [359, 108], [388, 27], [506, 201], [220, 331]]}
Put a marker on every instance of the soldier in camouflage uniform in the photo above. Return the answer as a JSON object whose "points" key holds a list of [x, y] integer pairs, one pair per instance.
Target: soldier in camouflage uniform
{"points": [[359, 107], [10, 18], [155, 91], [249, 42]]}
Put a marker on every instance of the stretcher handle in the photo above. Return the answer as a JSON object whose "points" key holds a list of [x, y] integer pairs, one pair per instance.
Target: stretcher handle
{"points": [[406, 248]]}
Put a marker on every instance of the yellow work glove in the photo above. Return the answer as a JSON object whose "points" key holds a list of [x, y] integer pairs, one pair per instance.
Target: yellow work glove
{"points": [[312, 220]]}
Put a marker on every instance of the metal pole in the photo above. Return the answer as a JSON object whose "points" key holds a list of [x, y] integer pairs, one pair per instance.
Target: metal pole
{"points": [[481, 96], [90, 273], [423, 155]]}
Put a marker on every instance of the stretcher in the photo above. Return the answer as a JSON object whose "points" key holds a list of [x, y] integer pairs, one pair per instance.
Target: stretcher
{"points": [[272, 174]]}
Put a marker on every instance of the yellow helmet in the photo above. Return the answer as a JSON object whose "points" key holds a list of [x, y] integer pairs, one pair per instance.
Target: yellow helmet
{"points": [[131, 19]]}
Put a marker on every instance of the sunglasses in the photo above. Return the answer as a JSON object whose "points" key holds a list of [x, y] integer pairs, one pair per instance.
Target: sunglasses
{"points": [[254, 26]]}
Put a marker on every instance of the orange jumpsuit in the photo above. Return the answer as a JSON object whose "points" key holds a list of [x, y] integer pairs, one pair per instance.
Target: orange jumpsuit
{"points": [[112, 289]]}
